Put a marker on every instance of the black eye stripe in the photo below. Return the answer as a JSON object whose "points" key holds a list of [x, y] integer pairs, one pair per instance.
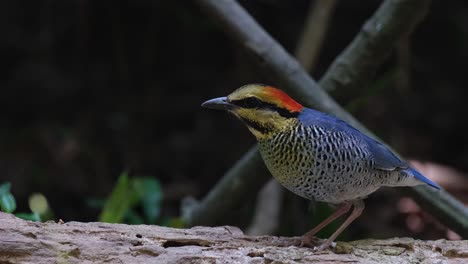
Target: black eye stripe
{"points": [[249, 102], [253, 102]]}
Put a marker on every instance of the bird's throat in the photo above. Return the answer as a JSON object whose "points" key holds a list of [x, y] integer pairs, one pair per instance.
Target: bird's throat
{"points": [[260, 130], [265, 130]]}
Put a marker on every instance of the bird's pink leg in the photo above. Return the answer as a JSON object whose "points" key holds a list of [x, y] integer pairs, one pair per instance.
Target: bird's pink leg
{"points": [[307, 237], [357, 210]]}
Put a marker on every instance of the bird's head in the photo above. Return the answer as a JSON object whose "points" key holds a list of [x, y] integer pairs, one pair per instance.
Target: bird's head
{"points": [[264, 109]]}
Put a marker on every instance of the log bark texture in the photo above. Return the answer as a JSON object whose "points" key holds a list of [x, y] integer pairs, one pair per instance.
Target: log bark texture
{"points": [[74, 242]]}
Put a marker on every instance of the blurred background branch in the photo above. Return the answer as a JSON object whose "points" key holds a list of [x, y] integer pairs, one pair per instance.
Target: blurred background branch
{"points": [[358, 63], [313, 33]]}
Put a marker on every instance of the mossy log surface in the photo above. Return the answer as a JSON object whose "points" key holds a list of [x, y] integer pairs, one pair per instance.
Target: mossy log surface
{"points": [[74, 242]]}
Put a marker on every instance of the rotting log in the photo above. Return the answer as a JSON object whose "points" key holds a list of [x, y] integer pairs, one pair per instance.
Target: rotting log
{"points": [[74, 242]]}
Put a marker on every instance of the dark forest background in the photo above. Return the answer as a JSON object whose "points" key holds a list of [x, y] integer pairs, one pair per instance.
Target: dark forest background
{"points": [[92, 89]]}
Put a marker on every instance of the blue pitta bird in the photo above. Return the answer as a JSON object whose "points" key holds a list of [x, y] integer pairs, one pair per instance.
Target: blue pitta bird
{"points": [[315, 155]]}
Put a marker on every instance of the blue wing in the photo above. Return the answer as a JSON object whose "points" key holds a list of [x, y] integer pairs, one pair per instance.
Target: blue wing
{"points": [[384, 159]]}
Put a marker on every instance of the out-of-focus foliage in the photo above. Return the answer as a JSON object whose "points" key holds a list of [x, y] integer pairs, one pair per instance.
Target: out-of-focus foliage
{"points": [[128, 193], [120, 200], [7, 201], [40, 207], [29, 216], [8, 204], [150, 195]]}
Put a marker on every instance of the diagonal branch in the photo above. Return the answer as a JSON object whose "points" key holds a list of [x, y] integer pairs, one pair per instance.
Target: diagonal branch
{"points": [[240, 26], [313, 34], [357, 64]]}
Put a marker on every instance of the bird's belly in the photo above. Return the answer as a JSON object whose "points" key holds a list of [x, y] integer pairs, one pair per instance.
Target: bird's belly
{"points": [[324, 189], [331, 180]]}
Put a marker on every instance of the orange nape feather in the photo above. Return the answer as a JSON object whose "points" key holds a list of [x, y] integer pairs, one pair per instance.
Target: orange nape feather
{"points": [[283, 99]]}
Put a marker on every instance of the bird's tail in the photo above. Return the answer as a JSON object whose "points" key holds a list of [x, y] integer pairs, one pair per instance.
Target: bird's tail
{"points": [[421, 177]]}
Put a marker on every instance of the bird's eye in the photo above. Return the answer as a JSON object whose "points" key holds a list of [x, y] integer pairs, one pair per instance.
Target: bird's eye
{"points": [[249, 102]]}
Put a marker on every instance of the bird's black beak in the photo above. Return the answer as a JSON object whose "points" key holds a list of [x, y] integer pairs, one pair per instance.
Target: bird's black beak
{"points": [[220, 103]]}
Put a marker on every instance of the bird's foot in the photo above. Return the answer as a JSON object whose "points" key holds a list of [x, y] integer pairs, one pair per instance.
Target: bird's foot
{"points": [[324, 246], [309, 241], [315, 243]]}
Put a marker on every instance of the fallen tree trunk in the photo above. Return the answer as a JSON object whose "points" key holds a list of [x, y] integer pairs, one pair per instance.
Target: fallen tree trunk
{"points": [[74, 242]]}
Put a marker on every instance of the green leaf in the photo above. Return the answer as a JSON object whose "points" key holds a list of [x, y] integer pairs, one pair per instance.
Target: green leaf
{"points": [[120, 201], [29, 216], [129, 192], [150, 194], [7, 201]]}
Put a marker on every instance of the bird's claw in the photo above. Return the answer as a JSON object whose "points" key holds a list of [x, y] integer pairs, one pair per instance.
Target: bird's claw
{"points": [[322, 247], [315, 243], [307, 241]]}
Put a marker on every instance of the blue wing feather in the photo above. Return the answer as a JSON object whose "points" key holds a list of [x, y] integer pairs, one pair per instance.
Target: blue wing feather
{"points": [[384, 159], [421, 177]]}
